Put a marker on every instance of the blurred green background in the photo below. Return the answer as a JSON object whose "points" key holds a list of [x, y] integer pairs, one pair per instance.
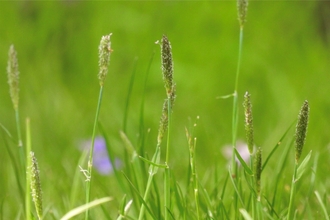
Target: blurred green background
{"points": [[285, 60]]}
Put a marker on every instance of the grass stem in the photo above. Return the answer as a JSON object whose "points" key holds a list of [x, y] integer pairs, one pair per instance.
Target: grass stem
{"points": [[235, 97], [90, 160], [28, 165], [292, 192], [20, 142], [167, 186]]}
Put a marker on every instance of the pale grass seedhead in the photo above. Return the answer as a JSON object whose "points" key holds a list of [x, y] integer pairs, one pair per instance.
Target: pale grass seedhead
{"points": [[257, 170], [242, 11], [36, 185], [301, 129], [104, 57], [13, 76], [167, 69], [167, 64], [248, 121], [164, 118]]}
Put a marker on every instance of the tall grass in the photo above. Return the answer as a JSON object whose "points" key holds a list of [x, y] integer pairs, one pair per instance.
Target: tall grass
{"points": [[104, 59], [150, 188]]}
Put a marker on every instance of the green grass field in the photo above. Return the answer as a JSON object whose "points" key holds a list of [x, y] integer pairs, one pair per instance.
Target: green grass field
{"points": [[284, 61]]}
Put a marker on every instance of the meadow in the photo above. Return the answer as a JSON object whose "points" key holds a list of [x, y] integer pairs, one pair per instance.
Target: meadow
{"points": [[282, 60]]}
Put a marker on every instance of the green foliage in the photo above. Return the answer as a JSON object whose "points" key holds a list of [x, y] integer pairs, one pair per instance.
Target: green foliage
{"points": [[284, 59]]}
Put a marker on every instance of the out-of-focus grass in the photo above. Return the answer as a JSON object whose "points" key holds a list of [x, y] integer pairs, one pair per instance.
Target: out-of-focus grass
{"points": [[285, 60]]}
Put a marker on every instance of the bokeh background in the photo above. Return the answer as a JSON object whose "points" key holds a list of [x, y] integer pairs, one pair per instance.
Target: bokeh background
{"points": [[285, 60]]}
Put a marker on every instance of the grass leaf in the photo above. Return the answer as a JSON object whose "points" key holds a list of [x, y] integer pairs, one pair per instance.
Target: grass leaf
{"points": [[245, 214], [84, 207], [276, 146], [322, 205], [302, 167], [241, 160], [152, 163]]}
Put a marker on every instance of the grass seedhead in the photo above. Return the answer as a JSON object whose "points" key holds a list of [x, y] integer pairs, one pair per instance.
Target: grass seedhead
{"points": [[301, 129], [36, 191]]}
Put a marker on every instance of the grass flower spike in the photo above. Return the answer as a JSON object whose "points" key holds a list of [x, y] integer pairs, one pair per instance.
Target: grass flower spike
{"points": [[167, 69], [248, 121], [242, 11], [164, 118], [13, 76], [13, 81], [257, 171], [104, 57], [163, 123], [35, 185], [167, 65], [301, 129]]}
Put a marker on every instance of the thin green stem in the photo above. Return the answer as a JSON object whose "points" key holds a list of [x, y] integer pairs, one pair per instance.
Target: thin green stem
{"points": [[167, 186], [239, 56], [235, 97], [293, 191], [235, 113], [254, 196], [169, 104], [28, 165], [20, 142], [194, 175], [259, 210], [90, 160], [22, 164]]}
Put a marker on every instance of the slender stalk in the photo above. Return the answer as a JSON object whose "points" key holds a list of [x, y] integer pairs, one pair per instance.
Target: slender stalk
{"points": [[104, 59], [167, 169], [235, 97], [192, 150], [253, 184], [293, 192], [90, 160], [28, 165], [19, 136], [13, 81], [235, 114]]}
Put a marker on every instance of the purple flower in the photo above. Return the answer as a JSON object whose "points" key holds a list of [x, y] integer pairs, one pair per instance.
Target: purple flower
{"points": [[242, 149], [101, 159]]}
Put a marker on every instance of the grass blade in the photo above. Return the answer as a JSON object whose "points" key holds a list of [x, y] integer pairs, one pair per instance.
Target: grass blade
{"points": [[84, 207], [140, 197], [324, 209], [152, 163], [302, 167], [130, 88], [245, 214], [236, 189], [241, 160], [276, 146], [13, 162]]}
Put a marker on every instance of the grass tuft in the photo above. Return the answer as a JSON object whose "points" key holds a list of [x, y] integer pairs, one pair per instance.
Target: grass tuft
{"points": [[160, 186]]}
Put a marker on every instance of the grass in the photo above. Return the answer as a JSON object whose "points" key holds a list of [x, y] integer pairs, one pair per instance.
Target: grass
{"points": [[184, 177]]}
